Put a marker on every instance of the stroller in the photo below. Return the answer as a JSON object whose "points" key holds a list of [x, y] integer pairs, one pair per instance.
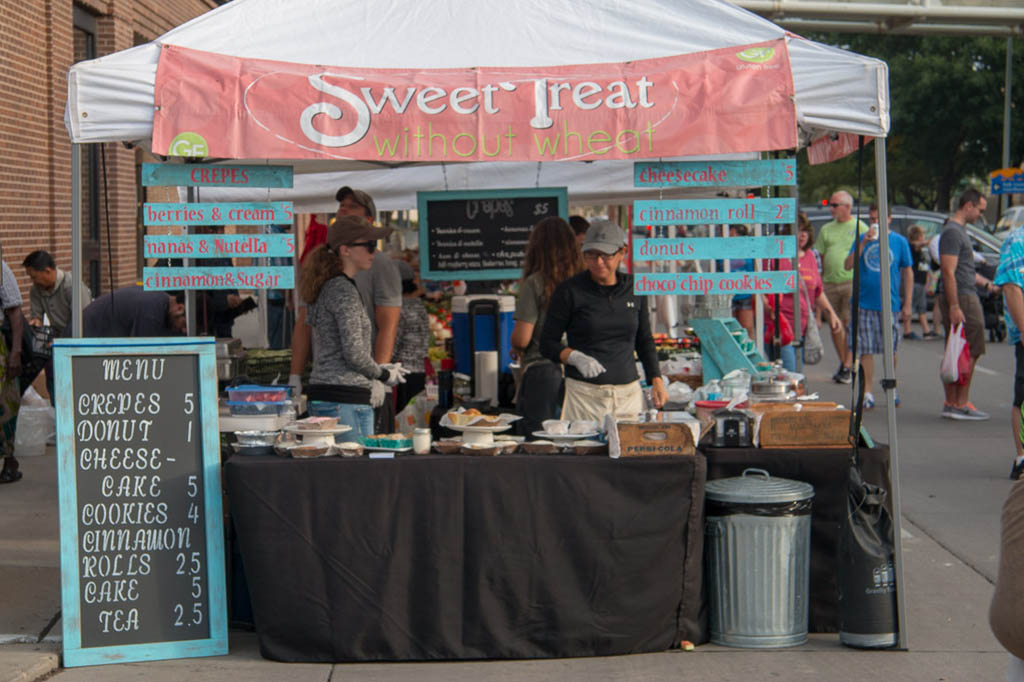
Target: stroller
{"points": [[992, 306]]}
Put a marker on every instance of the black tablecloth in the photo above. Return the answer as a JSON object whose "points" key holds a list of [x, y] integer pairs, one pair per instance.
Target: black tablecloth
{"points": [[431, 557], [828, 471]]}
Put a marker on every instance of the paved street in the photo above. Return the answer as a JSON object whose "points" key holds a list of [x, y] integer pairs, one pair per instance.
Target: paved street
{"points": [[954, 479], [954, 474]]}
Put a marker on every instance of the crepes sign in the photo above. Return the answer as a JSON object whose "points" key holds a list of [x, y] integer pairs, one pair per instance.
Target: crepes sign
{"points": [[736, 99]]}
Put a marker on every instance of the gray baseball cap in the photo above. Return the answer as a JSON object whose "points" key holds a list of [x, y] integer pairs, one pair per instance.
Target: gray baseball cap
{"points": [[604, 236]]}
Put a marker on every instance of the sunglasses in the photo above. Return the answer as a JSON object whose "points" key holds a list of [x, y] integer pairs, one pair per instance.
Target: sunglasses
{"points": [[369, 246], [836, 205], [593, 256]]}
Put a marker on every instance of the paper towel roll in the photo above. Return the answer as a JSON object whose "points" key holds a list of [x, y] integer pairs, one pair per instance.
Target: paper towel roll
{"points": [[485, 372]]}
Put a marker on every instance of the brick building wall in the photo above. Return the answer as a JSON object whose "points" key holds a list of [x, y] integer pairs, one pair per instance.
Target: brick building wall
{"points": [[37, 47]]}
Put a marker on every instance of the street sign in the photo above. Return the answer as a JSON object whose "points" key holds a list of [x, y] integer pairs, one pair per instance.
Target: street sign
{"points": [[1007, 181]]}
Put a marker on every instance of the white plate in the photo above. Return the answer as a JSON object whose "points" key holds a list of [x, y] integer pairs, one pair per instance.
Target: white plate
{"points": [[564, 436], [340, 428], [481, 429]]}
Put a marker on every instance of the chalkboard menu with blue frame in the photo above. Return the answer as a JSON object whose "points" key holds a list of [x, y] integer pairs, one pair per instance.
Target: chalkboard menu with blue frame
{"points": [[482, 234], [141, 532]]}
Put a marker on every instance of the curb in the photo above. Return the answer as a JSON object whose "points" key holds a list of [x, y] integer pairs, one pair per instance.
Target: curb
{"points": [[27, 667]]}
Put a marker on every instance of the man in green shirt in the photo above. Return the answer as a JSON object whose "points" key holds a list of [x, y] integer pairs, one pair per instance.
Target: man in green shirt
{"points": [[834, 243]]}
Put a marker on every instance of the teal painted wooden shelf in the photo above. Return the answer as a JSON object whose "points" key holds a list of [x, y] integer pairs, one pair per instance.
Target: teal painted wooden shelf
{"points": [[725, 346]]}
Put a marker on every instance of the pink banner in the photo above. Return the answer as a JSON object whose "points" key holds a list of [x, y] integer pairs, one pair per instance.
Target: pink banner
{"points": [[828, 148], [736, 99]]}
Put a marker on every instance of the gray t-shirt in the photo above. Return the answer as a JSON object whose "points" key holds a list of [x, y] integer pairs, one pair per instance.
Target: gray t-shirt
{"points": [[381, 285], [955, 242], [56, 304], [532, 308]]}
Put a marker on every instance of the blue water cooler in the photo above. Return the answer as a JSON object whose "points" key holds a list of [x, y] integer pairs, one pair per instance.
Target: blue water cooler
{"points": [[482, 323]]}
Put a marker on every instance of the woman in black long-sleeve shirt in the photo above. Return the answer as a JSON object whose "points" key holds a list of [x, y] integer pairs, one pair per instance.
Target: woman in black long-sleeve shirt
{"points": [[605, 323]]}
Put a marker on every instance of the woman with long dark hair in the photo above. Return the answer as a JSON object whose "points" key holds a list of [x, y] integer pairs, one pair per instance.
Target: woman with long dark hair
{"points": [[343, 366], [552, 256]]}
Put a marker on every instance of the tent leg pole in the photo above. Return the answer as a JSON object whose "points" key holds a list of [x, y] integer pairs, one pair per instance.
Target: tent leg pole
{"points": [[76, 240], [889, 376]]}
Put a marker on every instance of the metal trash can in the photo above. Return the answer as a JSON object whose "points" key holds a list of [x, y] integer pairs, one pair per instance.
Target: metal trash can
{"points": [[757, 560]]}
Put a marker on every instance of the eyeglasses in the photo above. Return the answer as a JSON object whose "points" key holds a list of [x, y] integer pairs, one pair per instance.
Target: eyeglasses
{"points": [[594, 256], [836, 205], [369, 246]]}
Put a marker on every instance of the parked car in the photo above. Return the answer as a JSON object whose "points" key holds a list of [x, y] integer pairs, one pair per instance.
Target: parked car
{"points": [[1011, 220], [985, 243]]}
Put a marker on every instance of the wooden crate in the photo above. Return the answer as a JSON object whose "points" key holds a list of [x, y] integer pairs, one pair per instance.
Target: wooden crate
{"points": [[640, 439], [814, 426]]}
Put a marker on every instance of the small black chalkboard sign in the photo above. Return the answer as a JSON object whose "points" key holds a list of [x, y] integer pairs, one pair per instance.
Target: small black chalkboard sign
{"points": [[482, 234], [142, 554]]}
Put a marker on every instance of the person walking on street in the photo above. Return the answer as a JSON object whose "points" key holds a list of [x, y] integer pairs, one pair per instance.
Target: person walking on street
{"points": [[834, 242], [1010, 276], [960, 303], [922, 281], [870, 339]]}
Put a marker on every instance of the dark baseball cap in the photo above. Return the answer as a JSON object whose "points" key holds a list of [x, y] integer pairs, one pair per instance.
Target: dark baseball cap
{"points": [[360, 197], [350, 229]]}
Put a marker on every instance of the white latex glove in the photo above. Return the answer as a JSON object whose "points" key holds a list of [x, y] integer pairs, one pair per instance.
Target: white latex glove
{"points": [[588, 366], [378, 391], [396, 374], [295, 381]]}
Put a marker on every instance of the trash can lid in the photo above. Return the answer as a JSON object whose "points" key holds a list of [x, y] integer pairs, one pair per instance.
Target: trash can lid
{"points": [[757, 486]]}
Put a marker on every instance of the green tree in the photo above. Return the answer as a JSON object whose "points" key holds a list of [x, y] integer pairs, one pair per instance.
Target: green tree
{"points": [[946, 110]]}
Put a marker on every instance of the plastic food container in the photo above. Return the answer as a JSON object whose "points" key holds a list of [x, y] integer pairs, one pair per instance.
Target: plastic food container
{"points": [[257, 438], [387, 441], [250, 393], [251, 408]]}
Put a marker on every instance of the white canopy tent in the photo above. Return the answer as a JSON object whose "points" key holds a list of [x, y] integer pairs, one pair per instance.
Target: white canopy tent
{"points": [[836, 93], [110, 99]]}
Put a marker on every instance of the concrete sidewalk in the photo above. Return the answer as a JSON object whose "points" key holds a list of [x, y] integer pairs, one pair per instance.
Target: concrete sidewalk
{"points": [[948, 630]]}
